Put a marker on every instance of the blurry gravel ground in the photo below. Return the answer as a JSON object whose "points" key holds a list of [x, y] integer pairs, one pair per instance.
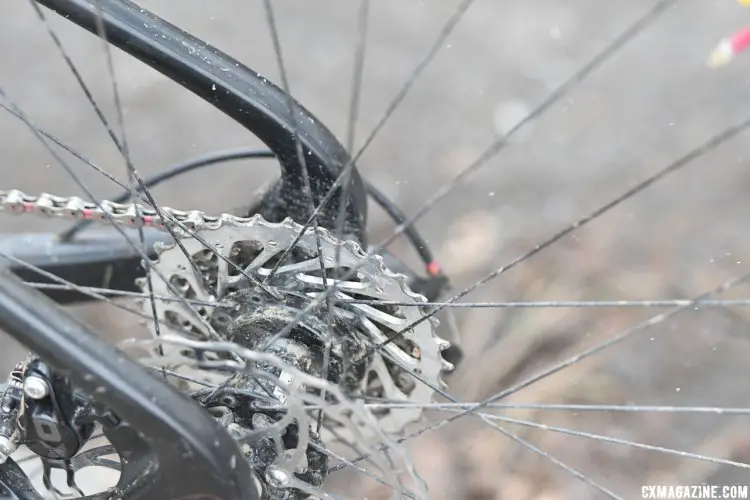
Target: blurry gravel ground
{"points": [[652, 103]]}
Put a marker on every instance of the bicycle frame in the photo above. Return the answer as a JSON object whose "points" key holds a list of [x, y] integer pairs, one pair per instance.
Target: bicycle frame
{"points": [[184, 439]]}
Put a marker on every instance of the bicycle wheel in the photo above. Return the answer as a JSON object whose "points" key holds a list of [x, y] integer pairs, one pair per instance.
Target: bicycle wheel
{"points": [[576, 170]]}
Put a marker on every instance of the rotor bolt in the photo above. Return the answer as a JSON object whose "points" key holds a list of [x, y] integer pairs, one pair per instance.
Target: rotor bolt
{"points": [[277, 477], [35, 387]]}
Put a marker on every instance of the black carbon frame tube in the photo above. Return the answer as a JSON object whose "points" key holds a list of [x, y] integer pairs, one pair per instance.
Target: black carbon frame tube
{"points": [[197, 459], [242, 94]]}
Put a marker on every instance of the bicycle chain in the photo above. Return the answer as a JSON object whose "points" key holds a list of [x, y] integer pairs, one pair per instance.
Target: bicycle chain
{"points": [[136, 215], [130, 214]]}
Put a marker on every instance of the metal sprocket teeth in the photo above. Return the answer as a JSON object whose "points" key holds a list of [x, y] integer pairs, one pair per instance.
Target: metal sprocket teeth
{"points": [[373, 280], [134, 215]]}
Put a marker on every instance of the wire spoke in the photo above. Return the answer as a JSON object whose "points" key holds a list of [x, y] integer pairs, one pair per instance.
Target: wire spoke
{"points": [[445, 32], [384, 404], [608, 439], [92, 292], [617, 339], [122, 148], [70, 150], [137, 248], [137, 184], [122, 144], [174, 171], [157, 179], [468, 305], [193, 164], [498, 428], [135, 179], [500, 144], [350, 465], [359, 66], [115, 293], [67, 285], [696, 153], [343, 199], [437, 45], [101, 293], [125, 150], [208, 160], [503, 431], [354, 101], [213, 159], [555, 303], [570, 470], [496, 147], [308, 189]]}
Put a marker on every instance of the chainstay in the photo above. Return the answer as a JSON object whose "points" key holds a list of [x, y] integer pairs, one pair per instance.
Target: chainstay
{"points": [[126, 214]]}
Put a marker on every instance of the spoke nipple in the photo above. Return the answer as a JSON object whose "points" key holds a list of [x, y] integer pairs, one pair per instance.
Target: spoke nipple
{"points": [[35, 387]]}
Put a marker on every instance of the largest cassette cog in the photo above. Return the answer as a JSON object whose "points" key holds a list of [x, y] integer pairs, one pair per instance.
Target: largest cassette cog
{"points": [[220, 300]]}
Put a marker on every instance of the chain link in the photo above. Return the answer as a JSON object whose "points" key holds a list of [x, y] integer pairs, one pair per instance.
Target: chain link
{"points": [[127, 214]]}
